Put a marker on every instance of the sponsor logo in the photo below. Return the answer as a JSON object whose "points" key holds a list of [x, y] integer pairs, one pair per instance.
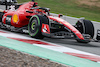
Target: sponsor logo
{"points": [[25, 31], [45, 28], [8, 20]]}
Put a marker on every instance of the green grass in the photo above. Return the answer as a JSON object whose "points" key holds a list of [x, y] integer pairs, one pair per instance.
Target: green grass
{"points": [[70, 8]]}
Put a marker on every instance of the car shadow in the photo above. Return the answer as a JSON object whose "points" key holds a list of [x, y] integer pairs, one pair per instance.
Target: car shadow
{"points": [[71, 42], [64, 41]]}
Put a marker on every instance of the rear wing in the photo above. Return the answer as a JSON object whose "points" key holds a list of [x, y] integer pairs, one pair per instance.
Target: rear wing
{"points": [[8, 2]]}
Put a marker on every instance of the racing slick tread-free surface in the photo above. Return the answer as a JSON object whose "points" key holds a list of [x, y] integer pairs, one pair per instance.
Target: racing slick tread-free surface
{"points": [[46, 53], [86, 27], [89, 28], [1, 14]]}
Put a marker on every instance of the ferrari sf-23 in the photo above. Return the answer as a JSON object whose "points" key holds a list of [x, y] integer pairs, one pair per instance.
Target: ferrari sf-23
{"points": [[37, 21]]}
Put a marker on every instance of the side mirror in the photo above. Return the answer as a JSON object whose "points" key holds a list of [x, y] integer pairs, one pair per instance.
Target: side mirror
{"points": [[60, 15]]}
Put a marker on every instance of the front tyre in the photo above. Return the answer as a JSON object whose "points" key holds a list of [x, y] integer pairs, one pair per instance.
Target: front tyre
{"points": [[85, 27], [34, 27]]}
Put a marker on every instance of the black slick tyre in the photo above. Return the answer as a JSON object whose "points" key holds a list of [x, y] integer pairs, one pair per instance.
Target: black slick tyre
{"points": [[85, 27], [1, 15]]}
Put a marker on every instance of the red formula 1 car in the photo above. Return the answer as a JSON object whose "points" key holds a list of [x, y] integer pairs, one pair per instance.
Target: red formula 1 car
{"points": [[37, 21]]}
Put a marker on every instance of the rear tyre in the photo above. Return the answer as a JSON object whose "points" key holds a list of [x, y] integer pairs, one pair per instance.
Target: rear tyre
{"points": [[1, 15], [34, 27], [85, 27]]}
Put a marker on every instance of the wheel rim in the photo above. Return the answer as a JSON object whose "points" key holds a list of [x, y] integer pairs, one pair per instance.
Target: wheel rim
{"points": [[33, 26], [33, 29]]}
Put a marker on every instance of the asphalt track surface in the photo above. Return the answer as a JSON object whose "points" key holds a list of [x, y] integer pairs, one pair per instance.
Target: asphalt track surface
{"points": [[92, 47]]}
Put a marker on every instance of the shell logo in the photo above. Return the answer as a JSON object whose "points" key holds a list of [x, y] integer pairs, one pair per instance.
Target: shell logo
{"points": [[15, 18]]}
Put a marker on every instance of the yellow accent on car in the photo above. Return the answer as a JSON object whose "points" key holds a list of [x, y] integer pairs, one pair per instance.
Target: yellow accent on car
{"points": [[81, 36], [15, 18], [67, 23], [40, 10]]}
